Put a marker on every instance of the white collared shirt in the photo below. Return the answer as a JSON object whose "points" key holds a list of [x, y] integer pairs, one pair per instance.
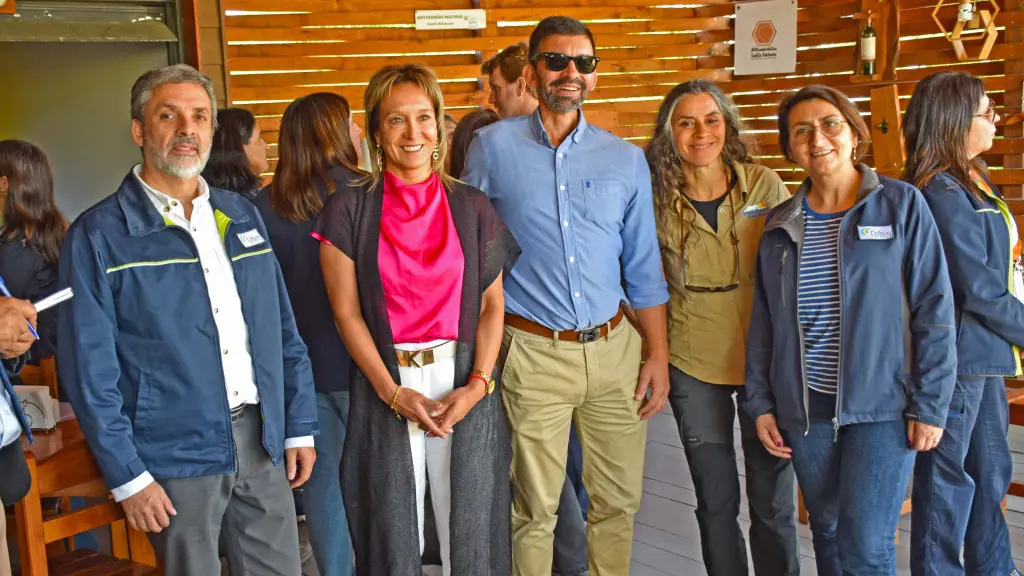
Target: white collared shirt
{"points": [[225, 303], [10, 428]]}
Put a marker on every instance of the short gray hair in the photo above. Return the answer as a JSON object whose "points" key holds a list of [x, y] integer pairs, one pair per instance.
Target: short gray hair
{"points": [[143, 88]]}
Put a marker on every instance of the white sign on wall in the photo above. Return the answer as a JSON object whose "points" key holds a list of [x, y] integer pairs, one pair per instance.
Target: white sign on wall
{"points": [[451, 19], [765, 37]]}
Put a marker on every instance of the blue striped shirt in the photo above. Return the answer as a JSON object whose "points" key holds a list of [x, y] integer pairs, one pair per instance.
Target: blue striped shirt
{"points": [[818, 299]]}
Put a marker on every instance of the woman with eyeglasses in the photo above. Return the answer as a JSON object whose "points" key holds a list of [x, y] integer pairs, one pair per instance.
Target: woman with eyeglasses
{"points": [[850, 354], [710, 206], [959, 486]]}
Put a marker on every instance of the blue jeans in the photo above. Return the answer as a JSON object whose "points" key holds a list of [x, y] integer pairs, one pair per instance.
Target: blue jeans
{"points": [[325, 509], [853, 484], [942, 488], [987, 541]]}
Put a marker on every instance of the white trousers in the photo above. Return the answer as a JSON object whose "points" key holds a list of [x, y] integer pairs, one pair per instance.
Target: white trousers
{"points": [[432, 457]]}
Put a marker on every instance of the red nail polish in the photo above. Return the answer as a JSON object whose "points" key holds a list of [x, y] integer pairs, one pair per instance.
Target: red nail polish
{"points": [[779, 444]]}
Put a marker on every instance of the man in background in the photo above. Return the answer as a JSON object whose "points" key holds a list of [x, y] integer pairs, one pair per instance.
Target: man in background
{"points": [[511, 92]]}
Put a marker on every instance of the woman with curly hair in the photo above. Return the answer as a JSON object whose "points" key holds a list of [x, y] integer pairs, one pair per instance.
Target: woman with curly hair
{"points": [[710, 204]]}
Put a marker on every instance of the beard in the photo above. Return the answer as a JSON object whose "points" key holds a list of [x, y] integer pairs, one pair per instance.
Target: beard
{"points": [[183, 166], [565, 104]]}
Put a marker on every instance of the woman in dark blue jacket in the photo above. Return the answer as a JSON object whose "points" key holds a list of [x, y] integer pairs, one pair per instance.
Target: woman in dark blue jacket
{"points": [[949, 123], [850, 362]]}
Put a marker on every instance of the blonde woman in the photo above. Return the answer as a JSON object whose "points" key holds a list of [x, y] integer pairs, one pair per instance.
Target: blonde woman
{"points": [[413, 263]]}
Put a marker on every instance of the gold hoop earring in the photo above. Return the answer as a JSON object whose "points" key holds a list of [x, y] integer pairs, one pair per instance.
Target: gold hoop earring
{"points": [[380, 161], [436, 154]]}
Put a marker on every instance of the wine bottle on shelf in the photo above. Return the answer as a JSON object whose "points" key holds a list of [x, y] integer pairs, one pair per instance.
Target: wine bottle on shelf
{"points": [[867, 50]]}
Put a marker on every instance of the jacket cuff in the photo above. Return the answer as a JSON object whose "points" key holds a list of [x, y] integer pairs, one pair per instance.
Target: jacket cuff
{"points": [[927, 418], [299, 427]]}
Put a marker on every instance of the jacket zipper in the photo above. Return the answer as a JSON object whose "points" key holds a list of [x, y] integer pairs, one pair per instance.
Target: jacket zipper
{"points": [[839, 358], [800, 333]]}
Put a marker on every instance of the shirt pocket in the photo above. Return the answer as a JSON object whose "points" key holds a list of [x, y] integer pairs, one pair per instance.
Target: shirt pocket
{"points": [[603, 200]]}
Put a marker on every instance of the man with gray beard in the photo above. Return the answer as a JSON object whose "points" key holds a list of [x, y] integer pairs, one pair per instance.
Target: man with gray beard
{"points": [[179, 351], [578, 201]]}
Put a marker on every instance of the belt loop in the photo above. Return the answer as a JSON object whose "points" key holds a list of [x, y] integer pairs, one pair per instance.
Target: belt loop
{"points": [[556, 338], [608, 332]]}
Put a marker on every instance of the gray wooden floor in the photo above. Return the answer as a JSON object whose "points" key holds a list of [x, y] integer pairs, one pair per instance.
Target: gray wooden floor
{"points": [[666, 539]]}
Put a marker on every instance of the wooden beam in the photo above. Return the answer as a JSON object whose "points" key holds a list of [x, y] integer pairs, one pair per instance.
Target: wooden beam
{"points": [[188, 33], [887, 143], [1013, 98]]}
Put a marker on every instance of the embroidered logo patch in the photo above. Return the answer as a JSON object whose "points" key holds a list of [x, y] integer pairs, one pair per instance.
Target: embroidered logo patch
{"points": [[755, 210], [250, 238], [874, 232]]}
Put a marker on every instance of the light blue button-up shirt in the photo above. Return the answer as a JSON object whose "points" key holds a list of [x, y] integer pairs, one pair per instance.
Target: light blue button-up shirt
{"points": [[582, 214]]}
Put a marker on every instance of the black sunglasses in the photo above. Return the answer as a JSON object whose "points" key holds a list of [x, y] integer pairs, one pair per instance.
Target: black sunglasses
{"points": [[557, 62]]}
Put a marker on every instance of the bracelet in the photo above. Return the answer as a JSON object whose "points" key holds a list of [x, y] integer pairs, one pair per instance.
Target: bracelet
{"points": [[395, 399], [476, 375]]}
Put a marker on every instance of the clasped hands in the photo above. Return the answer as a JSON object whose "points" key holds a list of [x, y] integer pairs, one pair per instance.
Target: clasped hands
{"points": [[438, 419]]}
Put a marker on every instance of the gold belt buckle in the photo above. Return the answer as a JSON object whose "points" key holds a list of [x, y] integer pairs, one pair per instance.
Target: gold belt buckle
{"points": [[418, 359]]}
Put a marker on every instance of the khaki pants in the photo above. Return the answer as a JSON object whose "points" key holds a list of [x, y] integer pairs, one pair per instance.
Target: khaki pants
{"points": [[5, 557], [545, 384]]}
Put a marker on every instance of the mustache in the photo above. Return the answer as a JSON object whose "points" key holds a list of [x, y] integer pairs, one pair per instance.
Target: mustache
{"points": [[184, 140]]}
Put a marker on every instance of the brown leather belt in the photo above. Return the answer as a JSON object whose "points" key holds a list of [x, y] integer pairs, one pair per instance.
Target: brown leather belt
{"points": [[583, 336]]}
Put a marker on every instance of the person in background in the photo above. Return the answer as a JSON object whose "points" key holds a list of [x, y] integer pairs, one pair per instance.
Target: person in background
{"points": [[512, 92], [238, 155], [32, 234], [710, 206], [316, 158], [15, 482], [850, 354], [578, 200], [413, 262], [464, 134], [959, 486], [179, 351]]}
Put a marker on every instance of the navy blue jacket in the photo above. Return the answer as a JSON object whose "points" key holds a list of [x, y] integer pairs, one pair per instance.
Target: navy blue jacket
{"points": [[139, 353], [976, 240], [896, 356]]}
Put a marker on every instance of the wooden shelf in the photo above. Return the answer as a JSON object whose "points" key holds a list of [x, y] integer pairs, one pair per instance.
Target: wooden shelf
{"points": [[862, 79]]}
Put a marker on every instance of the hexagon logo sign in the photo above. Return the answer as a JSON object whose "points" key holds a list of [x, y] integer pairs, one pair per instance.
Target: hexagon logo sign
{"points": [[764, 33]]}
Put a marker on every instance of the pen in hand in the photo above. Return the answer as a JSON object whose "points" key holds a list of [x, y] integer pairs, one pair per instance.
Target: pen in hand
{"points": [[7, 293]]}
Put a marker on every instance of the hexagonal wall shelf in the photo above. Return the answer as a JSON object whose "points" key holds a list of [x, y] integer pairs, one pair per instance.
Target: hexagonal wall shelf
{"points": [[988, 21]]}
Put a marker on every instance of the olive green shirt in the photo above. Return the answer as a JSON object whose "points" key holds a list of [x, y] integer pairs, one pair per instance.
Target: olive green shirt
{"points": [[707, 331]]}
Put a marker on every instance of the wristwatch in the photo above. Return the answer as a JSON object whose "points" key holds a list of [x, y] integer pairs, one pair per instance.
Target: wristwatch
{"points": [[486, 378]]}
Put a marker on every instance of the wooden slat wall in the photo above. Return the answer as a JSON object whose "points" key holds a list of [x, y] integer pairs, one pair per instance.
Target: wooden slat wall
{"points": [[645, 48]]}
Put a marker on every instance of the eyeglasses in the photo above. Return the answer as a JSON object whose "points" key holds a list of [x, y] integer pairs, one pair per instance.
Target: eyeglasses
{"points": [[989, 114], [803, 133], [736, 254], [557, 62]]}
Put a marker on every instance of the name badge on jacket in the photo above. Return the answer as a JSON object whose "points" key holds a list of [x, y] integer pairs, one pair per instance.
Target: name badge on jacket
{"points": [[874, 232], [250, 238], [755, 210]]}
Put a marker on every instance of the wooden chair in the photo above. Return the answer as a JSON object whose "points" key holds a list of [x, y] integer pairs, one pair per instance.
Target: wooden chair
{"points": [[43, 375], [73, 472]]}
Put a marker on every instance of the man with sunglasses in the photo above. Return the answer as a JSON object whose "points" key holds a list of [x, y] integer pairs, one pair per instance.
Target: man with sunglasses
{"points": [[578, 200]]}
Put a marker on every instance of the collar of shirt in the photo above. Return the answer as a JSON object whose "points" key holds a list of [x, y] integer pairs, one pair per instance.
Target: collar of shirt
{"points": [[541, 133], [168, 205]]}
